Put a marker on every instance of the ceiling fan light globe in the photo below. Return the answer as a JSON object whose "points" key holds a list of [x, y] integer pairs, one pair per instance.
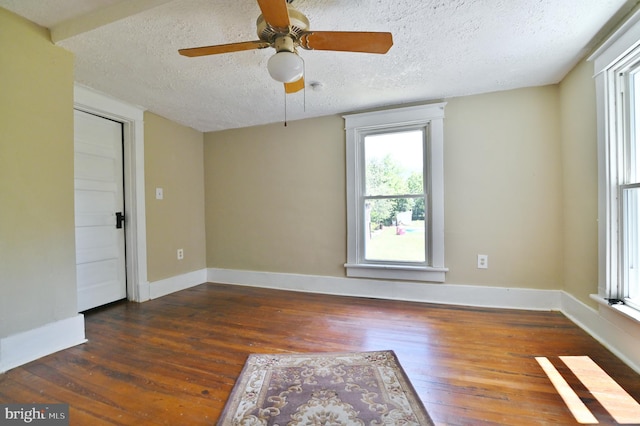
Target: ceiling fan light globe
{"points": [[285, 67]]}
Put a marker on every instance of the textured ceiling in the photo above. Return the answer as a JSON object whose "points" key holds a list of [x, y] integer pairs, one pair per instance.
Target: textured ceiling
{"points": [[442, 48]]}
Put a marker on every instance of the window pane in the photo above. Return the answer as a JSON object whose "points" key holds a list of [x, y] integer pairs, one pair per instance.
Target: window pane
{"points": [[631, 261], [630, 210], [631, 237], [633, 166], [394, 163], [395, 229]]}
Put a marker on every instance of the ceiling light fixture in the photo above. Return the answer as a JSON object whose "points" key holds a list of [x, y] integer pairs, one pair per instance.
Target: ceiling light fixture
{"points": [[285, 67]]}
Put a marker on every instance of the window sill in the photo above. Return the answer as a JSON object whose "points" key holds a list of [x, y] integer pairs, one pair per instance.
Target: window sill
{"points": [[621, 315], [396, 272]]}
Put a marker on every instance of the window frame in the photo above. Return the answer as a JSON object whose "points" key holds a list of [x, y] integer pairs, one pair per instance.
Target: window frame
{"points": [[430, 118], [614, 62]]}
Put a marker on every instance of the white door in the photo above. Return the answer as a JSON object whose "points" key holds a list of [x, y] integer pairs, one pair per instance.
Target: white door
{"points": [[99, 202]]}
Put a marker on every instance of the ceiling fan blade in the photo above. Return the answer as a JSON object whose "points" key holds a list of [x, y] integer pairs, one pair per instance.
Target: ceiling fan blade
{"points": [[347, 41], [275, 12], [223, 48], [295, 86]]}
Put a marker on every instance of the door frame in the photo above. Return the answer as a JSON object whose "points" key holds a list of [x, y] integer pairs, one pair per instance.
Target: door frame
{"points": [[132, 119]]}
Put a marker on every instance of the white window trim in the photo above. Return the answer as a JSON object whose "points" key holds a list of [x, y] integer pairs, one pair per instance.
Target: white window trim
{"points": [[606, 60], [432, 118]]}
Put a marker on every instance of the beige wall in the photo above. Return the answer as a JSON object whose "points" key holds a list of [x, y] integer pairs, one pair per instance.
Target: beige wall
{"points": [[580, 182], [275, 196], [37, 236], [503, 191], [174, 162]]}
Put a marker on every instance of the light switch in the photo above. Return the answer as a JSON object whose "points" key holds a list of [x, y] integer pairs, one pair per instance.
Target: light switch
{"points": [[159, 194]]}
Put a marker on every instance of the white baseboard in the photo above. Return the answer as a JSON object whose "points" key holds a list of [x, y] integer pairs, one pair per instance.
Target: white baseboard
{"points": [[468, 295], [143, 293], [21, 348], [605, 328], [28, 346], [25, 347], [623, 343], [179, 282]]}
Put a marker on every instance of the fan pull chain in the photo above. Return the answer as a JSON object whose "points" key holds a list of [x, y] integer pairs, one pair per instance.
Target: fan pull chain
{"points": [[285, 108]]}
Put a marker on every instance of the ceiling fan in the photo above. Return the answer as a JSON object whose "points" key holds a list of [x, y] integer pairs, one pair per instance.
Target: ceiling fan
{"points": [[285, 29]]}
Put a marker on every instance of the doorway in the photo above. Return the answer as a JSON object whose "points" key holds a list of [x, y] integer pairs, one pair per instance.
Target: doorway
{"points": [[132, 119], [99, 210]]}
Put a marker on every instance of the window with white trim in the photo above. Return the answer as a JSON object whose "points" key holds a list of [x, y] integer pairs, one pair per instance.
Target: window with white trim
{"points": [[617, 74], [395, 193]]}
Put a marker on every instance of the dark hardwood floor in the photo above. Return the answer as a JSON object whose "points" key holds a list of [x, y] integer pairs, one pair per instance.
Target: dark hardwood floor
{"points": [[175, 359]]}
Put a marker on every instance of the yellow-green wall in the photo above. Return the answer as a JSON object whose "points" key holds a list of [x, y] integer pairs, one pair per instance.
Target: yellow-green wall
{"points": [[503, 192], [276, 195], [37, 235], [580, 182], [275, 198], [173, 162]]}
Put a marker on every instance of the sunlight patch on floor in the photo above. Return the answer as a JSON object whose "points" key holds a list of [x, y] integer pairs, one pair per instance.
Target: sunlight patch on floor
{"points": [[573, 401], [618, 403], [622, 407]]}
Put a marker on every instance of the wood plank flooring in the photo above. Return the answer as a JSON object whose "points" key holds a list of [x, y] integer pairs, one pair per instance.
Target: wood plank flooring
{"points": [[174, 360]]}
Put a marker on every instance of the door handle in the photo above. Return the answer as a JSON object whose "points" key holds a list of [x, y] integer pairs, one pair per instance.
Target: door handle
{"points": [[119, 219]]}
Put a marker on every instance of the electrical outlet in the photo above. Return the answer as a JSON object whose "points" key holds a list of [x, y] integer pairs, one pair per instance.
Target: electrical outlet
{"points": [[180, 254], [483, 261]]}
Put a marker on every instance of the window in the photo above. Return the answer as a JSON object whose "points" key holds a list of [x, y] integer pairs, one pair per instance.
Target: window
{"points": [[395, 194], [629, 83], [617, 69]]}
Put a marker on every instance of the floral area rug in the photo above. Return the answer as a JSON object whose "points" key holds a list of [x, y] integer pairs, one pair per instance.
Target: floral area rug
{"points": [[360, 388]]}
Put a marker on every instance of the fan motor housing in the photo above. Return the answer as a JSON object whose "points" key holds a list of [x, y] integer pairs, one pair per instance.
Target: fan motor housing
{"points": [[298, 25]]}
